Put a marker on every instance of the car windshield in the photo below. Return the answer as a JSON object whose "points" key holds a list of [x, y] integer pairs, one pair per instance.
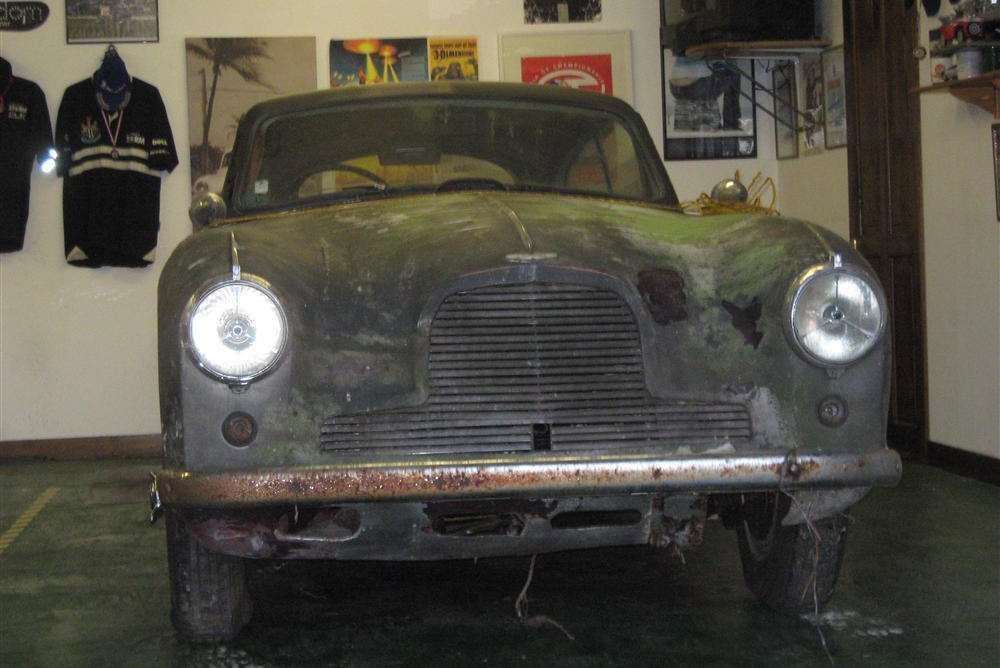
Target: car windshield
{"points": [[435, 145]]}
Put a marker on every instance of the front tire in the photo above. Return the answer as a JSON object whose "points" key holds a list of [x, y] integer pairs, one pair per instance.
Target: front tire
{"points": [[208, 591], [788, 567]]}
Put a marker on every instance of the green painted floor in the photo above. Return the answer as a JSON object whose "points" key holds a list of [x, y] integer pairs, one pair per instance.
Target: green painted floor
{"points": [[85, 584]]}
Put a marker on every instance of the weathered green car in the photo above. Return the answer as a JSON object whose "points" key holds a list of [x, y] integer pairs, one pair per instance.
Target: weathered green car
{"points": [[448, 321]]}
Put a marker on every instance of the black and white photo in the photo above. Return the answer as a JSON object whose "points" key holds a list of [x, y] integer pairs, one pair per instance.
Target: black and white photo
{"points": [[89, 21], [786, 135], [708, 110]]}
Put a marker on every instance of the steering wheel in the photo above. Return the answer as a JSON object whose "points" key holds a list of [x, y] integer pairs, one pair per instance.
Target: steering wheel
{"points": [[379, 182]]}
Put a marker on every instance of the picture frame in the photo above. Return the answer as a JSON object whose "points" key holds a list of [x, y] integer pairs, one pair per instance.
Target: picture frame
{"points": [[996, 164], [834, 98], [811, 104], [562, 11], [225, 77], [595, 61], [786, 139], [118, 21], [709, 113]]}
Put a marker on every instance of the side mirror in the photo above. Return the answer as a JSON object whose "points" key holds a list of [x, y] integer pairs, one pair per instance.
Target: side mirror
{"points": [[206, 208]]}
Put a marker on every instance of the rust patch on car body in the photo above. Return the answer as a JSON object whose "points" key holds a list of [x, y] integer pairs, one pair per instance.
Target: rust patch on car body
{"points": [[745, 320], [662, 291]]}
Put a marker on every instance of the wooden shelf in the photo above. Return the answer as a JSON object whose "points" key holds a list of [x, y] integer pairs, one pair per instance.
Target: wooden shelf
{"points": [[951, 49], [765, 49], [982, 91]]}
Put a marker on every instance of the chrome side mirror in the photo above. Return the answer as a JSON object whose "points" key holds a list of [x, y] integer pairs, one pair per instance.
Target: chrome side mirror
{"points": [[206, 208]]}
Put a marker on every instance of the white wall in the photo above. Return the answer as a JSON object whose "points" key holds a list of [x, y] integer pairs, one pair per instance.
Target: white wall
{"points": [[961, 245], [962, 259], [78, 346]]}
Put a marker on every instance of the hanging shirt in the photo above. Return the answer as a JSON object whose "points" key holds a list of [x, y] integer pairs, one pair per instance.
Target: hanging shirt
{"points": [[25, 134], [111, 163]]}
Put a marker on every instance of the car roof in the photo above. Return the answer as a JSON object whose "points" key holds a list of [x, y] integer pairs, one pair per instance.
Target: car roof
{"points": [[469, 90]]}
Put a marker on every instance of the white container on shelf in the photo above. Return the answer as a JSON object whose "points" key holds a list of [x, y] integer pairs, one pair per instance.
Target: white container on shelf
{"points": [[969, 62]]}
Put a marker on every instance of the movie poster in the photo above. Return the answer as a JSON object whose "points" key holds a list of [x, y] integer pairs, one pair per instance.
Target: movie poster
{"points": [[708, 110], [372, 60], [453, 58]]}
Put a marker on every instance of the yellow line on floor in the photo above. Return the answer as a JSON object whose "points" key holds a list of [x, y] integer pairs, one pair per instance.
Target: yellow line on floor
{"points": [[22, 522]]}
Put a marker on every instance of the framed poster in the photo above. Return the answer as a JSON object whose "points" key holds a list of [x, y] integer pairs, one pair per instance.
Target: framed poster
{"points": [[996, 164], [376, 60], [786, 122], [90, 21], [834, 98], [225, 77], [811, 104], [595, 61], [709, 110]]}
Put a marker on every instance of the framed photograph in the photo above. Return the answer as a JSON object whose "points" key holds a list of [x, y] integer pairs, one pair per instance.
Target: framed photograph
{"points": [[225, 77], [786, 122], [562, 11], [709, 110], [996, 164], [834, 98], [811, 103], [594, 61], [120, 21]]}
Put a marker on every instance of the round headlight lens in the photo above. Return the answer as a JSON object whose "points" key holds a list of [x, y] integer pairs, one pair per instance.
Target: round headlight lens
{"points": [[836, 316], [237, 331]]}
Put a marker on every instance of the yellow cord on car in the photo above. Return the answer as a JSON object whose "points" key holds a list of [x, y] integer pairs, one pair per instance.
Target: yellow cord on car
{"points": [[758, 188]]}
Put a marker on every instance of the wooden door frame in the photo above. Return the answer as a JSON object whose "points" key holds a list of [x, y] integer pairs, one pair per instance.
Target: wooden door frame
{"points": [[856, 51]]}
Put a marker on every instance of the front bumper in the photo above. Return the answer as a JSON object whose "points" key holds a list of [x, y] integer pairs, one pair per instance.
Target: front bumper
{"points": [[520, 475]]}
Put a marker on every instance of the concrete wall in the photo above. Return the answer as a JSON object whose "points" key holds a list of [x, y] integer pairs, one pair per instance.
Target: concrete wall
{"points": [[962, 248], [78, 346]]}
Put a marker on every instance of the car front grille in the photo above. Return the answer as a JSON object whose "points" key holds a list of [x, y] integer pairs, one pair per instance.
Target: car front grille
{"points": [[536, 366]]}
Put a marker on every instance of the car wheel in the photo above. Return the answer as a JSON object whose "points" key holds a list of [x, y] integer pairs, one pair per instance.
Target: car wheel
{"points": [[789, 568], [208, 591]]}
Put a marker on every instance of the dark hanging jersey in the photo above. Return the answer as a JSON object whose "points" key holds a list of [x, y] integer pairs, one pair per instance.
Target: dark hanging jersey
{"points": [[111, 163], [25, 134]]}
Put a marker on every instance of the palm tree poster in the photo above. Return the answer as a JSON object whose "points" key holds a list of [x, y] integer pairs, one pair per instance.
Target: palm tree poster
{"points": [[225, 77], [373, 60]]}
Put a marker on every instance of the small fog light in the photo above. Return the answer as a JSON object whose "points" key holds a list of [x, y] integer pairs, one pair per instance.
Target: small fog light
{"points": [[239, 429], [832, 411]]}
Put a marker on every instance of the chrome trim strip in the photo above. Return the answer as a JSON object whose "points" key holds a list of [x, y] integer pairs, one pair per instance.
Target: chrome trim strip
{"points": [[234, 255]]}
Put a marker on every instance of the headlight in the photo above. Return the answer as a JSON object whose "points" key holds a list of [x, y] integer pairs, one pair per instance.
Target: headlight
{"points": [[237, 331], [836, 314]]}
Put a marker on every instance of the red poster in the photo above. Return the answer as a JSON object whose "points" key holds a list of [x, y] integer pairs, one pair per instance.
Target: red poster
{"points": [[590, 72]]}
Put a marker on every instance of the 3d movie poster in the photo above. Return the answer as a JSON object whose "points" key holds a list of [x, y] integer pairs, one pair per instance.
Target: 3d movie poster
{"points": [[453, 58], [585, 72], [372, 60], [708, 111]]}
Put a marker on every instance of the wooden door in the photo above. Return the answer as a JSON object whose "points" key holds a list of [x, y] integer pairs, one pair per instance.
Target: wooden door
{"points": [[885, 182]]}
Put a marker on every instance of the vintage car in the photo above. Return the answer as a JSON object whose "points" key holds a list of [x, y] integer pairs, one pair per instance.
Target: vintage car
{"points": [[459, 320]]}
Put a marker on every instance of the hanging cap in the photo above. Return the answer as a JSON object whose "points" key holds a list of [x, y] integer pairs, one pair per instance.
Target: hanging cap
{"points": [[112, 81]]}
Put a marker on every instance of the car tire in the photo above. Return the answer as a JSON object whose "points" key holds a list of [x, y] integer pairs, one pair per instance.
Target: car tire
{"points": [[789, 568], [208, 590]]}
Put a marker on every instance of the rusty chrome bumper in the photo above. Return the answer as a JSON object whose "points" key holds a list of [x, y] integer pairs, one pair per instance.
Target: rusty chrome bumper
{"points": [[520, 475]]}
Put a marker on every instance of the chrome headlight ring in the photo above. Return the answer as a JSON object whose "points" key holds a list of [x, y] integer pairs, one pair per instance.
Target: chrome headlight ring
{"points": [[835, 314], [236, 331]]}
